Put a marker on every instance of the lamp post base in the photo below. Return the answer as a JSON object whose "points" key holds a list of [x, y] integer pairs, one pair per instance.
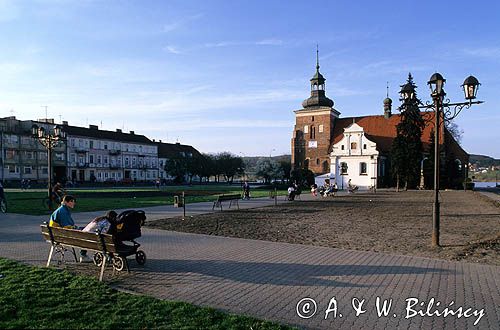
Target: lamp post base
{"points": [[435, 222]]}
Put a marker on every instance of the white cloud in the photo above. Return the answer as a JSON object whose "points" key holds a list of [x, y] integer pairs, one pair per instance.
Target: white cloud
{"points": [[172, 49], [172, 26], [270, 42]]}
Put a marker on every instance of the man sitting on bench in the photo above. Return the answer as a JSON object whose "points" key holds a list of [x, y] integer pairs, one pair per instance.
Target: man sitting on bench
{"points": [[351, 188]]}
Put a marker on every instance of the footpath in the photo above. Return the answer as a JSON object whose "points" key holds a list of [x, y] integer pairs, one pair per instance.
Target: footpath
{"points": [[310, 287]]}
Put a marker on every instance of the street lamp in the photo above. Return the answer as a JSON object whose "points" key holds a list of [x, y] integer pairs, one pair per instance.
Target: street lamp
{"points": [[445, 110], [49, 139]]}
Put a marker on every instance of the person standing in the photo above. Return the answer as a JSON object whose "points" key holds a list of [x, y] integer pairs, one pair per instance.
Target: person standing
{"points": [[246, 190]]}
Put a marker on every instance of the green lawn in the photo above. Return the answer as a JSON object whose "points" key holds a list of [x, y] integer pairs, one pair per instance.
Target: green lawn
{"points": [[30, 202], [47, 298]]}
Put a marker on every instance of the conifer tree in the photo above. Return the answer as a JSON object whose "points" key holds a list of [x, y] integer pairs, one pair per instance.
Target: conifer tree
{"points": [[406, 152]]}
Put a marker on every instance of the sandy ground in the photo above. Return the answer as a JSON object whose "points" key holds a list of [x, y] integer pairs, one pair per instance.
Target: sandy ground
{"points": [[399, 223]]}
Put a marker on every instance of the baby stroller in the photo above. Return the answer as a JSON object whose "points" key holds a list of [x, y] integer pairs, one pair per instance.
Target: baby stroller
{"points": [[126, 229]]}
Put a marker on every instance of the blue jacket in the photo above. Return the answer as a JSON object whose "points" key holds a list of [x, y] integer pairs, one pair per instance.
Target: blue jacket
{"points": [[61, 217]]}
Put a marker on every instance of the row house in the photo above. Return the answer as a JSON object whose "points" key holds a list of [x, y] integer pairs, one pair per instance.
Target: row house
{"points": [[167, 151], [99, 155], [22, 157], [88, 154]]}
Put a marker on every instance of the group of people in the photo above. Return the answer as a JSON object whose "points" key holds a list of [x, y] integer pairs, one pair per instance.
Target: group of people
{"points": [[62, 218], [331, 189]]}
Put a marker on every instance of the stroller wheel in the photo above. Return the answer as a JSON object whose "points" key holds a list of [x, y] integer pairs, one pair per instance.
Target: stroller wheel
{"points": [[118, 263], [98, 258], [140, 257]]}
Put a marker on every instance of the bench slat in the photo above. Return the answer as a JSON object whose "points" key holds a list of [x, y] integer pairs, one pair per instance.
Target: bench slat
{"points": [[81, 244]]}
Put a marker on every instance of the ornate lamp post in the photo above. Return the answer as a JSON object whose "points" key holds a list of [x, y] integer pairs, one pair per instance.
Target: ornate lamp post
{"points": [[49, 139], [444, 110]]}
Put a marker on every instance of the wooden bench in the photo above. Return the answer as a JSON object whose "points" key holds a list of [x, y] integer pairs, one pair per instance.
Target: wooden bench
{"points": [[61, 239], [225, 198]]}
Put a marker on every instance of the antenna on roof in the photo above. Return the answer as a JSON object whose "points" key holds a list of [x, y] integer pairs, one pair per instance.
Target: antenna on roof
{"points": [[387, 89], [12, 112]]}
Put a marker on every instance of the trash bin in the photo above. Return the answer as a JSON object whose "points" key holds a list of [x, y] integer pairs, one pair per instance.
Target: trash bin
{"points": [[178, 202]]}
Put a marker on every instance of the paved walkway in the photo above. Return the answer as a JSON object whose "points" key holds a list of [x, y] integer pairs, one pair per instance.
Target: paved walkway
{"points": [[268, 280]]}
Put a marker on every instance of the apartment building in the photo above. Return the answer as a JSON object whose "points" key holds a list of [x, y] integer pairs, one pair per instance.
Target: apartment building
{"points": [[98, 155], [22, 157], [89, 154]]}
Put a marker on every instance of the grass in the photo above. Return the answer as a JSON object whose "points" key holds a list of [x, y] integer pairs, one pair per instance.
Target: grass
{"points": [[46, 298], [30, 202]]}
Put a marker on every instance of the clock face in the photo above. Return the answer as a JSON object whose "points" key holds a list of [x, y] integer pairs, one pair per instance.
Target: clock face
{"points": [[313, 144]]}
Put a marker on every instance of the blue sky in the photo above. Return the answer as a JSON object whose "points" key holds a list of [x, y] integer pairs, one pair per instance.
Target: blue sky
{"points": [[227, 75]]}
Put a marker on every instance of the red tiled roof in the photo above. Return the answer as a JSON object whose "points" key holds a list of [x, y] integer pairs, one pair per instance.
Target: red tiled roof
{"points": [[378, 129]]}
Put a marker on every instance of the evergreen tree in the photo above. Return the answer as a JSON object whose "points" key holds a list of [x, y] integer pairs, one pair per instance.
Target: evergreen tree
{"points": [[406, 150]]}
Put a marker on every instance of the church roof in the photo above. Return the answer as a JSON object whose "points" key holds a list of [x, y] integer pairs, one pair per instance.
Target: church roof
{"points": [[378, 129]]}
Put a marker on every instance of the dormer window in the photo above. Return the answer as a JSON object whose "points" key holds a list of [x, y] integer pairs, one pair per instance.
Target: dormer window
{"points": [[354, 145]]}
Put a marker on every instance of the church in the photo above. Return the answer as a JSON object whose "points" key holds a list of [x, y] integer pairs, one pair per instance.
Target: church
{"points": [[359, 148]]}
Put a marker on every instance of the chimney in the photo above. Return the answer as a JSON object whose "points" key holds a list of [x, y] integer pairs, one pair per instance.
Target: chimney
{"points": [[160, 141], [131, 132], [93, 127], [118, 130], [65, 122]]}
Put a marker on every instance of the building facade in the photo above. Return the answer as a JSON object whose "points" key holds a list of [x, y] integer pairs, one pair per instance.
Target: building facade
{"points": [[359, 148], [87, 155]]}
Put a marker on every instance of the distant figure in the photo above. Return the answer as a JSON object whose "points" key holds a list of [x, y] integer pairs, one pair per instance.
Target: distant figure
{"points": [[246, 190], [351, 188], [291, 193], [314, 189], [57, 192]]}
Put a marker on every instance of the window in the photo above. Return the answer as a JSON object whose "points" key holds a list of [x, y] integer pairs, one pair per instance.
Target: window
{"points": [[312, 118], [59, 155], [91, 159], [312, 136], [342, 147], [317, 161], [99, 159], [362, 168], [10, 153], [45, 170], [28, 154], [91, 144], [105, 159], [306, 129], [364, 146], [320, 128], [27, 170], [73, 158], [343, 168], [354, 145]]}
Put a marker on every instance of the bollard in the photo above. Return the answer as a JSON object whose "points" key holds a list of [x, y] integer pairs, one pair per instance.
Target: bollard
{"points": [[184, 205]]}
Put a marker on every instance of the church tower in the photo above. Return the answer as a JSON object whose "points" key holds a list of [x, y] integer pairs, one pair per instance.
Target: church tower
{"points": [[313, 131]]}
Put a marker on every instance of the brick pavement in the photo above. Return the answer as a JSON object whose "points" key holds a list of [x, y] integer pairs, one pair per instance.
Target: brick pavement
{"points": [[267, 279]]}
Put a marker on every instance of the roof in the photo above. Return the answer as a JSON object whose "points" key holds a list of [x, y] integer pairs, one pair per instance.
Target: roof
{"points": [[169, 150], [105, 135], [380, 130]]}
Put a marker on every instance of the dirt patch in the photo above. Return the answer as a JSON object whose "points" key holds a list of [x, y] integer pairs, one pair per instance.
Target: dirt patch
{"points": [[391, 222]]}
